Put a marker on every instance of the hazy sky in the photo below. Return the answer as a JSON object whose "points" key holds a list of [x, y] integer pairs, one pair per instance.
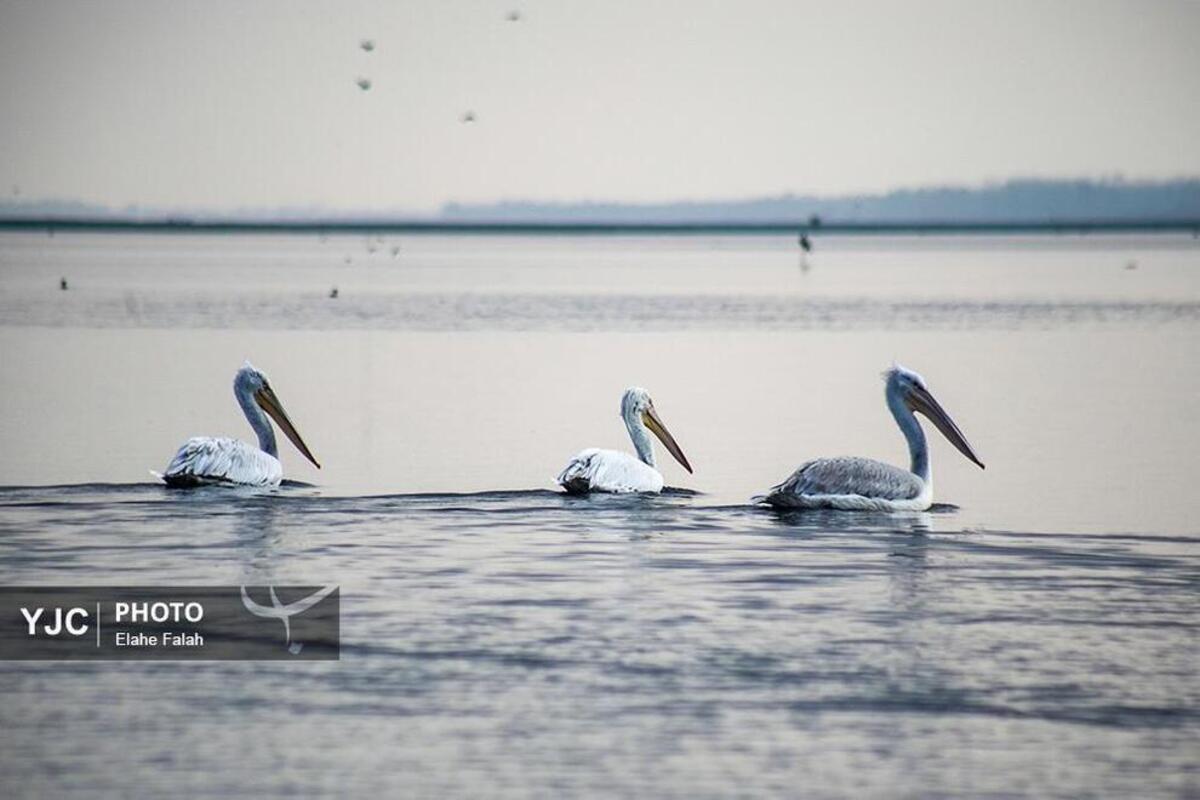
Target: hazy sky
{"points": [[254, 104]]}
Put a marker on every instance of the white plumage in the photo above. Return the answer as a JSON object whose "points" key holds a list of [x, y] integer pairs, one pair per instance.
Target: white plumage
{"points": [[207, 460], [596, 470], [204, 460]]}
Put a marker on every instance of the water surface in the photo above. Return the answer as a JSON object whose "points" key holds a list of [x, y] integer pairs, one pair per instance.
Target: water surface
{"points": [[1034, 635]]}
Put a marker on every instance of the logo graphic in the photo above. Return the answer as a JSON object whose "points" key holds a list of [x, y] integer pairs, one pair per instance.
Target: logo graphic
{"points": [[283, 612]]}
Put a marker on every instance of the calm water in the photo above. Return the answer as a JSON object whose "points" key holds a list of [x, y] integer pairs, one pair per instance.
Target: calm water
{"points": [[1034, 635]]}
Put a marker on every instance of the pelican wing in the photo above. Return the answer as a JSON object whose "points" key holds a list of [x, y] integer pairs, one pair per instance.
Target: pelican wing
{"points": [[595, 470], [861, 477], [206, 459]]}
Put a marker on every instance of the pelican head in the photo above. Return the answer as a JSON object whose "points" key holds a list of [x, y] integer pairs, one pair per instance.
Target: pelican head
{"points": [[909, 387], [637, 409], [253, 384]]}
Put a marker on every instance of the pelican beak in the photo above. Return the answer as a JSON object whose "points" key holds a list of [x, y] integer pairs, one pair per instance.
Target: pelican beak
{"points": [[268, 402], [922, 402], [656, 426]]}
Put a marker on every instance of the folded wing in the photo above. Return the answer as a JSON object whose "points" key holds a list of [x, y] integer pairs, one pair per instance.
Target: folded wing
{"points": [[595, 470], [210, 460], [837, 477]]}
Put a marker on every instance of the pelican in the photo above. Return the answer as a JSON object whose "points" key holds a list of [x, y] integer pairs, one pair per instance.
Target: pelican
{"points": [[595, 470], [219, 460], [858, 484]]}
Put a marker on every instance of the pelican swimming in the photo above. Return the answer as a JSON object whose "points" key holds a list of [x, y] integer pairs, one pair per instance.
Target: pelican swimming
{"points": [[209, 459], [856, 484], [595, 470]]}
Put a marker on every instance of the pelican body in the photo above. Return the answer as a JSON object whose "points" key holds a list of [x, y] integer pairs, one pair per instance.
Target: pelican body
{"points": [[863, 484], [206, 460], [596, 470]]}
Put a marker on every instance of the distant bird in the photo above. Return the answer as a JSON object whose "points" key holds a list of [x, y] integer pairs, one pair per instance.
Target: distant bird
{"points": [[367, 44], [347, 260], [862, 484], [364, 83], [468, 116], [595, 470], [333, 293], [62, 284], [395, 250], [204, 460], [371, 248], [1131, 264], [514, 16], [805, 244]]}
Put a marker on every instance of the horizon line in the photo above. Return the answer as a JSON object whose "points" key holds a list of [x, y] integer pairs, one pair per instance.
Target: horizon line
{"points": [[51, 224]]}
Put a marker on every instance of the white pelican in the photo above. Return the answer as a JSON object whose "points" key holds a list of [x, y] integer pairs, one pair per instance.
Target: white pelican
{"points": [[209, 459], [858, 484], [595, 470]]}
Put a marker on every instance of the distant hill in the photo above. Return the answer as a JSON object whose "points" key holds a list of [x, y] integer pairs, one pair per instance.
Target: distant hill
{"points": [[1019, 201], [57, 209]]}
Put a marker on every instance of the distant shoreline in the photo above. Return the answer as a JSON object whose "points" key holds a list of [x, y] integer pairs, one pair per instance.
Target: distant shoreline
{"points": [[1050, 227]]}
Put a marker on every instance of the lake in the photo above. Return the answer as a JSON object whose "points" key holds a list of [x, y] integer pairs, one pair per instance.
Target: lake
{"points": [[1036, 633]]}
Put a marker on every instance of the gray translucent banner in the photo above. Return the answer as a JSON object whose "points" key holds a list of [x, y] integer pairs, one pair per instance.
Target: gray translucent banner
{"points": [[170, 623]]}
